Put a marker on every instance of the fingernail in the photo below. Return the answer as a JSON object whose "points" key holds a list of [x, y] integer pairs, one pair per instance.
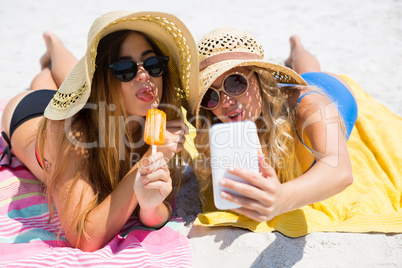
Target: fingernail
{"points": [[231, 169], [223, 194], [222, 182]]}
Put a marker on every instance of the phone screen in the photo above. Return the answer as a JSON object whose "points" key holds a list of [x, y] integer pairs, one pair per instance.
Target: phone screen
{"points": [[234, 144]]}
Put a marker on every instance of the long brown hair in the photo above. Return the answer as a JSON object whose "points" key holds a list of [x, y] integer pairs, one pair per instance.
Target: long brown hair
{"points": [[111, 159]]}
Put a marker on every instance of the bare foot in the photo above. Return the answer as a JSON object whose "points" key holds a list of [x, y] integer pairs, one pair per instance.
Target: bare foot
{"points": [[45, 59], [50, 38], [295, 43]]}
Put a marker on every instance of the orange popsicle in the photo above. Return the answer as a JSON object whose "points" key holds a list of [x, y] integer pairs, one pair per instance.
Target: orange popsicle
{"points": [[155, 128]]}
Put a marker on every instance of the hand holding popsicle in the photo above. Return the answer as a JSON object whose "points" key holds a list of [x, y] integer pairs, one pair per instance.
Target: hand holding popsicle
{"points": [[153, 182]]}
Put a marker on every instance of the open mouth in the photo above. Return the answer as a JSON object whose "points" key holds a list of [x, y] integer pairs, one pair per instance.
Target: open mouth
{"points": [[145, 94], [235, 115]]}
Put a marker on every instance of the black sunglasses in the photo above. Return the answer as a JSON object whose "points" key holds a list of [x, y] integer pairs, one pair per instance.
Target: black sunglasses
{"points": [[126, 70], [234, 84]]}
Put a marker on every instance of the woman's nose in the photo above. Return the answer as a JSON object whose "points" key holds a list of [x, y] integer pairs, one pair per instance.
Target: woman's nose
{"points": [[227, 100], [142, 74]]}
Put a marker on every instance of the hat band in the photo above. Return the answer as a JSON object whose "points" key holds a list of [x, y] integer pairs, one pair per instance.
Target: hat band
{"points": [[228, 56]]}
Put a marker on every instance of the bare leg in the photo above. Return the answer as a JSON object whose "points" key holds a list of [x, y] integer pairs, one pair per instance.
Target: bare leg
{"points": [[44, 80], [56, 63], [58, 57], [300, 60]]}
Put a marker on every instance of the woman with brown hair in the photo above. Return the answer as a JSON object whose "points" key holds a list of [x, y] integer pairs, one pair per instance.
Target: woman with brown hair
{"points": [[84, 142]]}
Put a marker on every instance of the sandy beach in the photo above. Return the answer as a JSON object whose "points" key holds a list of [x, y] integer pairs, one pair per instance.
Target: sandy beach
{"points": [[362, 39]]}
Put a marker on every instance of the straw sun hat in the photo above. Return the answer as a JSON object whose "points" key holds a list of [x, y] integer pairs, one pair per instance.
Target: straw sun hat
{"points": [[224, 49], [170, 35]]}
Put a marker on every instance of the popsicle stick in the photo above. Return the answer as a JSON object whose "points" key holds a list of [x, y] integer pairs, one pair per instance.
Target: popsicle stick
{"points": [[153, 128]]}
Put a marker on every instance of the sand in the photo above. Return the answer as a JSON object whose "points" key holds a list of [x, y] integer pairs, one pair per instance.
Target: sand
{"points": [[362, 39]]}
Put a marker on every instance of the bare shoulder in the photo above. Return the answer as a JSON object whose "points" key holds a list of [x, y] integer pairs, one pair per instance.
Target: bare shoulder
{"points": [[65, 129], [67, 156], [310, 101], [56, 127]]}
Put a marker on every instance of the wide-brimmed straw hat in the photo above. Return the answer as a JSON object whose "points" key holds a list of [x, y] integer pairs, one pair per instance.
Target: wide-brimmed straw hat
{"points": [[168, 33], [224, 49]]}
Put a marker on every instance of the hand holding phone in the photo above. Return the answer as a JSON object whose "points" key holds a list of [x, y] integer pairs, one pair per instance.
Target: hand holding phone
{"points": [[233, 144]]}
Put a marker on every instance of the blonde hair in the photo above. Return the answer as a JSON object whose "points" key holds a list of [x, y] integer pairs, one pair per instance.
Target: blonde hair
{"points": [[104, 165], [276, 132]]}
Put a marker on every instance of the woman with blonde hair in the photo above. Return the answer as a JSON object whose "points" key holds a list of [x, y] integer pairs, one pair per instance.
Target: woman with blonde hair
{"points": [[303, 123], [85, 141]]}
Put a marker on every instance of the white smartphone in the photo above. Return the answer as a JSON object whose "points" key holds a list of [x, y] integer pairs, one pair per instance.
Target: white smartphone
{"points": [[234, 144]]}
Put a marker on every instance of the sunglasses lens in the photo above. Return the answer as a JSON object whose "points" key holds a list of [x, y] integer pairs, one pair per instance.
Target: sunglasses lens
{"points": [[235, 84], [156, 66], [211, 99], [124, 70]]}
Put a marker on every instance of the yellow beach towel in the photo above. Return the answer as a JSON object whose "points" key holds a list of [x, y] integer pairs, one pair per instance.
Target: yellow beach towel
{"points": [[371, 204]]}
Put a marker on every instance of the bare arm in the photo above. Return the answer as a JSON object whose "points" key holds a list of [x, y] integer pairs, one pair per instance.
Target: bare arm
{"points": [[330, 175], [106, 219], [332, 172]]}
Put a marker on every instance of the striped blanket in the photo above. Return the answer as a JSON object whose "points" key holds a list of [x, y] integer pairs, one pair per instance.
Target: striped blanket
{"points": [[27, 239]]}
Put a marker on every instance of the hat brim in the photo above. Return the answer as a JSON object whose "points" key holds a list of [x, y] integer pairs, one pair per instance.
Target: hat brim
{"points": [[168, 32], [60, 106], [211, 73]]}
